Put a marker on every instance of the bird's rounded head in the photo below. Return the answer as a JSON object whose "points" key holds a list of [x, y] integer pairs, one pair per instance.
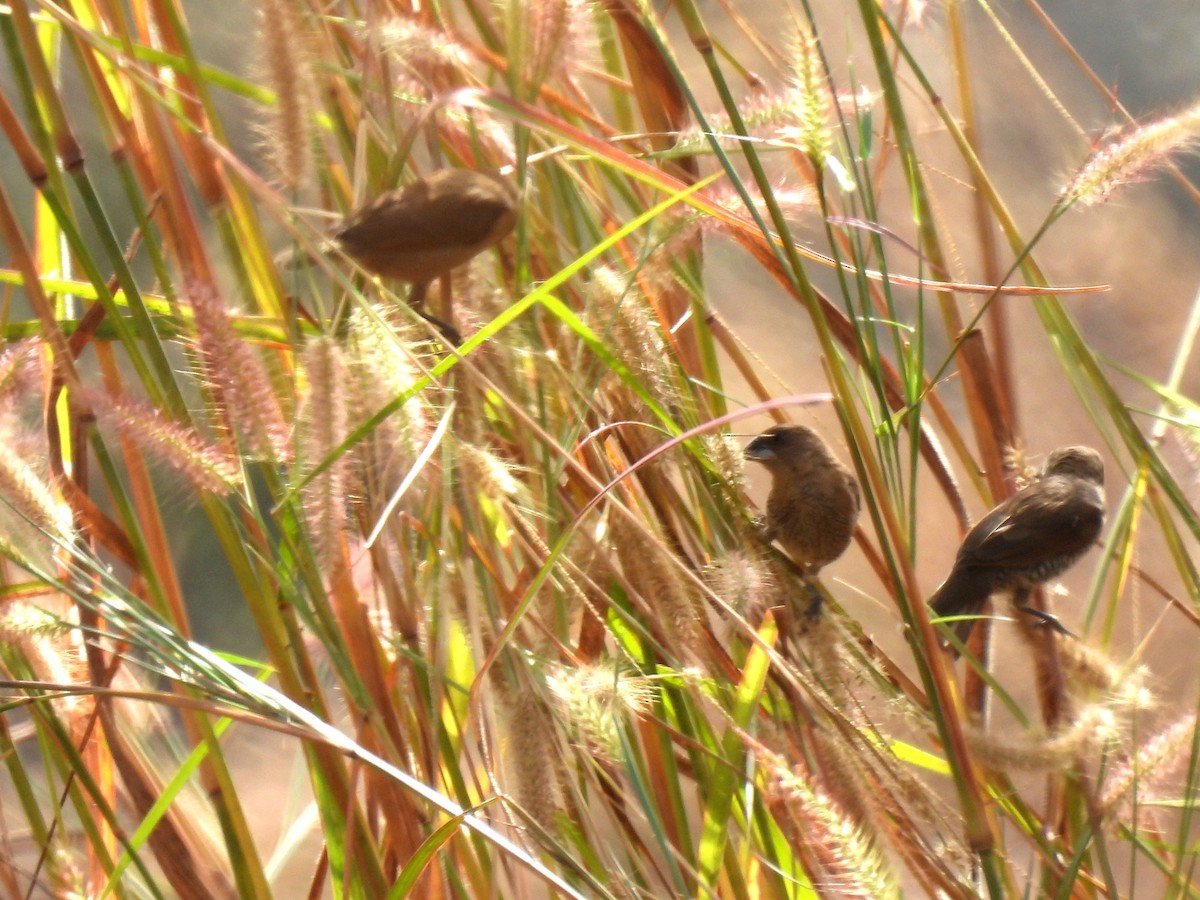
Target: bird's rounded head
{"points": [[1079, 462], [785, 443]]}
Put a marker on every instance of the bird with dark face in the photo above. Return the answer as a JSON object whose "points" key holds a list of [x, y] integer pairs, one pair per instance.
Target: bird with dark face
{"points": [[813, 503], [427, 228], [1033, 536]]}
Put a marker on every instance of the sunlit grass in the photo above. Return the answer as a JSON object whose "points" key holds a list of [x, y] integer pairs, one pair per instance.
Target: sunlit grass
{"points": [[514, 610]]}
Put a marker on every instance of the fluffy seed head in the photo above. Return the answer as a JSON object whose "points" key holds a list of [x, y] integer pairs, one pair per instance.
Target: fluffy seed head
{"points": [[1093, 727], [850, 865], [538, 29], [238, 378], [487, 472], [382, 368], [618, 313], [36, 643], [1130, 156], [19, 374], [1155, 761], [281, 32], [726, 455], [31, 496], [594, 700], [178, 446], [654, 572], [529, 756], [430, 57], [744, 582], [811, 129], [321, 429], [1087, 669]]}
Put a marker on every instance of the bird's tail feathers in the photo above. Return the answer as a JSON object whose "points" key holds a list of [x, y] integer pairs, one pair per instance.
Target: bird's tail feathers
{"points": [[960, 595]]}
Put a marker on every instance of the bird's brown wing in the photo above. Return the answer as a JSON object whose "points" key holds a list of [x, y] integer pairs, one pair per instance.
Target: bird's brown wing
{"points": [[1046, 521], [423, 220]]}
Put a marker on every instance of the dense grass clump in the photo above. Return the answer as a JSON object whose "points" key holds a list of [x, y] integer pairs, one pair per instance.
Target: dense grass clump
{"points": [[517, 631]]}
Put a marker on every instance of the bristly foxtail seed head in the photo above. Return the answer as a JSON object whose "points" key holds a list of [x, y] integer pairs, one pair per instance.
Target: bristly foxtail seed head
{"points": [[765, 116], [741, 580], [725, 453], [179, 446], [487, 474], [1016, 459], [1087, 669], [547, 40], [812, 101], [32, 498], [378, 341], [19, 374], [238, 378], [850, 863], [654, 572], [383, 369], [1129, 156], [1093, 728], [618, 312], [322, 428], [540, 26], [289, 145], [1153, 764], [594, 699], [430, 56], [529, 755], [43, 642]]}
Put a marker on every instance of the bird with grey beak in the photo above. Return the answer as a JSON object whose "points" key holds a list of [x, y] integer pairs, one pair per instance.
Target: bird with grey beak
{"points": [[813, 503]]}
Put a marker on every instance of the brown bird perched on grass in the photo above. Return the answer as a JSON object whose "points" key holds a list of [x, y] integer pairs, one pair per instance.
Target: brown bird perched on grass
{"points": [[813, 503], [422, 231], [1033, 536]]}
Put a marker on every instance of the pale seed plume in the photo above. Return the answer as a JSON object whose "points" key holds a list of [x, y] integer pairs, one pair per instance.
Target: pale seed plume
{"points": [[1094, 726], [1087, 669], [654, 572], [1141, 775], [178, 445], [850, 864], [282, 38], [529, 755], [321, 430], [595, 701], [19, 373], [1130, 156], [238, 379], [742, 581], [811, 130], [31, 497], [619, 314], [37, 644], [381, 369]]}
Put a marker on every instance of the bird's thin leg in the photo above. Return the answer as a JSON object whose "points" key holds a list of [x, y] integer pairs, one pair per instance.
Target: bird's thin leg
{"points": [[416, 299], [447, 305], [1021, 602], [416, 294], [448, 331], [764, 532], [816, 600]]}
